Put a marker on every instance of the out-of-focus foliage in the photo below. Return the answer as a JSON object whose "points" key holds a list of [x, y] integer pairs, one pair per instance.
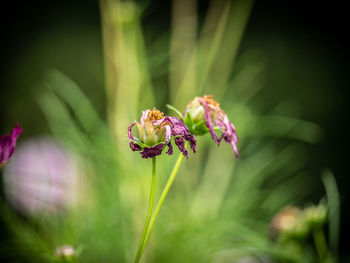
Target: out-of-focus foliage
{"points": [[219, 209]]}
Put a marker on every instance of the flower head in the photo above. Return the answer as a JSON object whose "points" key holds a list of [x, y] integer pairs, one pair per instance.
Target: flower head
{"points": [[316, 216], [199, 116], [8, 144], [66, 253], [289, 223], [155, 132]]}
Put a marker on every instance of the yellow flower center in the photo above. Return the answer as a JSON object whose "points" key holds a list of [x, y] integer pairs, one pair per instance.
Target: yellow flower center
{"points": [[216, 105], [210, 101], [154, 115]]}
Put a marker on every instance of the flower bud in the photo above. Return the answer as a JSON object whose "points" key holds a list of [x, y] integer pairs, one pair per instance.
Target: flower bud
{"points": [[195, 110], [288, 223], [316, 216], [66, 253]]}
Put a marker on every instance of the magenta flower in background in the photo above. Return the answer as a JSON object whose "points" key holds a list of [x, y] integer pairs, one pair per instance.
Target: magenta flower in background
{"points": [[8, 144], [44, 177], [155, 131], [199, 116]]}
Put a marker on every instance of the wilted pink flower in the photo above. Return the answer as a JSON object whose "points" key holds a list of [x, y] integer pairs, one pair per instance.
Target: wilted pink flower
{"points": [[155, 132], [44, 177], [8, 144], [206, 110]]}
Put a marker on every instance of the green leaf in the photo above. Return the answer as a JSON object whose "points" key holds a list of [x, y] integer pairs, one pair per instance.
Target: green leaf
{"points": [[170, 107], [334, 209]]}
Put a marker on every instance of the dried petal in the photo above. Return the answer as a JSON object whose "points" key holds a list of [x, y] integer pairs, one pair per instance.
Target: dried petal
{"points": [[170, 150], [181, 144], [135, 147], [129, 131], [229, 131], [150, 152], [178, 128], [209, 123]]}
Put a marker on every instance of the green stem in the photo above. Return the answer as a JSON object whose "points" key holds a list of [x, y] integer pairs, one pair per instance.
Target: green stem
{"points": [[149, 213], [320, 244], [163, 196]]}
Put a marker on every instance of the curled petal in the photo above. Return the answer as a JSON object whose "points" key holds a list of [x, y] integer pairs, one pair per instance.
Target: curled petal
{"points": [[144, 116], [220, 123], [150, 152], [170, 151], [229, 134], [235, 150], [193, 143], [178, 128], [129, 130], [208, 121], [167, 133], [181, 144]]}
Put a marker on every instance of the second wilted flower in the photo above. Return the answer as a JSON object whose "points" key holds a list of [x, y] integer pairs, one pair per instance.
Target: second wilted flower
{"points": [[202, 113], [155, 131]]}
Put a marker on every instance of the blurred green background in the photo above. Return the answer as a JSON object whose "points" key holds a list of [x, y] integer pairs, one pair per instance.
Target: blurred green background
{"points": [[279, 72]]}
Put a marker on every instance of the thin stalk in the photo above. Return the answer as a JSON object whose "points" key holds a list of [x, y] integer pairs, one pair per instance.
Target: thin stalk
{"points": [[320, 244], [149, 213], [163, 196]]}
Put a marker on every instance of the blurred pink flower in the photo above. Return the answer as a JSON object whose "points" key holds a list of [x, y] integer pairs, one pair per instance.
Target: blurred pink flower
{"points": [[43, 177], [65, 251]]}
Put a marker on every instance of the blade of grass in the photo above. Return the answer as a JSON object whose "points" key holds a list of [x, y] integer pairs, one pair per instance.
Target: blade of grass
{"points": [[334, 210]]}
